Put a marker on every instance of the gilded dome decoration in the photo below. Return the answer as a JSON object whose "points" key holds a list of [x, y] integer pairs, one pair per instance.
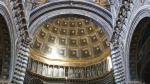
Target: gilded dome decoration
{"points": [[66, 41], [70, 38]]}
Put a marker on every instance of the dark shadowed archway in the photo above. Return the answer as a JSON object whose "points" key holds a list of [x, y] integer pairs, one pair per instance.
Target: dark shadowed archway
{"points": [[5, 49], [8, 37], [139, 52]]}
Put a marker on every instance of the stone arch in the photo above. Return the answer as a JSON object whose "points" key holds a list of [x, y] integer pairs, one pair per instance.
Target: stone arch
{"points": [[45, 13], [141, 13], [50, 10], [10, 32]]}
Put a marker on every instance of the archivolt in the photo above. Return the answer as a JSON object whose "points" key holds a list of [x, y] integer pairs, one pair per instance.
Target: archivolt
{"points": [[138, 16], [50, 10], [6, 15]]}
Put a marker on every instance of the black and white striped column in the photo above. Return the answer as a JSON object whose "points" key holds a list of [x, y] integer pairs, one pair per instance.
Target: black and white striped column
{"points": [[21, 64], [119, 73]]}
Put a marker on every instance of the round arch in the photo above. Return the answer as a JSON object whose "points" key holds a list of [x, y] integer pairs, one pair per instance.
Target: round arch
{"points": [[50, 10], [4, 12], [141, 13]]}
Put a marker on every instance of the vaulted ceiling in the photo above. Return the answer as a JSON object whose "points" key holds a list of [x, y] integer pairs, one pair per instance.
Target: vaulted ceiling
{"points": [[70, 39]]}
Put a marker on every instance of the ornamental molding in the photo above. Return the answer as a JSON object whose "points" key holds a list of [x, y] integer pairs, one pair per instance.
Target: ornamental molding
{"points": [[20, 21], [41, 14], [120, 22]]}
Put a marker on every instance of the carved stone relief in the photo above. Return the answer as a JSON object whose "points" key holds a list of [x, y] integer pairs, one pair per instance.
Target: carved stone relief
{"points": [[34, 66], [70, 72], [50, 71], [45, 71], [40, 68], [82, 73], [61, 72], [56, 72]]}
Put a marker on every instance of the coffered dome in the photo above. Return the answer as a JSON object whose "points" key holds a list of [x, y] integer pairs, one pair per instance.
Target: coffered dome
{"points": [[69, 38]]}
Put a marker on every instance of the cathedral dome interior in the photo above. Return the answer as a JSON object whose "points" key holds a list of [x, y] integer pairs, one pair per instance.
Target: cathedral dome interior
{"points": [[70, 38], [70, 47], [74, 41]]}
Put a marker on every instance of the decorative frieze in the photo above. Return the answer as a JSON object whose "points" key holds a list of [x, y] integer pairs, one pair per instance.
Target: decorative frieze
{"points": [[59, 71]]}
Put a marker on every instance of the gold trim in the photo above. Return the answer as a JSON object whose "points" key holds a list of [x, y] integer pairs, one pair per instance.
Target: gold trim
{"points": [[91, 30], [69, 62]]}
